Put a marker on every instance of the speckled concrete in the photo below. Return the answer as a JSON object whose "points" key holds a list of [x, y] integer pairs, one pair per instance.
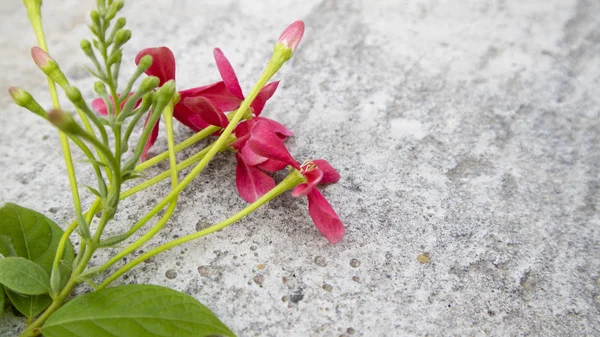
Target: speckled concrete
{"points": [[467, 134]]}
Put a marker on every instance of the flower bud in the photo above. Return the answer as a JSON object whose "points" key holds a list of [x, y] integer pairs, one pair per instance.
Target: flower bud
{"points": [[145, 63], [74, 95], [86, 46], [49, 66], [64, 122], [120, 23], [123, 35], [149, 83], [95, 18], [115, 57], [114, 8], [100, 3], [100, 88], [25, 100], [292, 35]]}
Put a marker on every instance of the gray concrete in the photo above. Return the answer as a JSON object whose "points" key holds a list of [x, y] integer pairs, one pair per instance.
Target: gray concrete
{"points": [[468, 131]]}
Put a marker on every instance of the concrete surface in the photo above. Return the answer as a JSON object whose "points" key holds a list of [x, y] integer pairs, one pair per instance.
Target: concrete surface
{"points": [[467, 134]]}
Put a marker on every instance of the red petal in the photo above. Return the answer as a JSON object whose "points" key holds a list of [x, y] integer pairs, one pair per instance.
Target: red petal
{"points": [[201, 107], [228, 74], [217, 93], [276, 127], [313, 178], [99, 105], [272, 165], [163, 63], [251, 182], [250, 157], [263, 96], [330, 175], [324, 217], [188, 118], [151, 138], [265, 142]]}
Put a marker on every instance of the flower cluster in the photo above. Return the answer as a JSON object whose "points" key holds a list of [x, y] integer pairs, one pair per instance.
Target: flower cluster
{"points": [[258, 146]]}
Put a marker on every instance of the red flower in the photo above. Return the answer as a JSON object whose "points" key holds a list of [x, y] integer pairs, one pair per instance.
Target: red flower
{"points": [[195, 106], [251, 180], [265, 142]]}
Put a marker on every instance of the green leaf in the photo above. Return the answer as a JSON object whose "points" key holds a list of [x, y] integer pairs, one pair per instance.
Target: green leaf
{"points": [[23, 276], [29, 305], [134, 310], [2, 299], [31, 235]]}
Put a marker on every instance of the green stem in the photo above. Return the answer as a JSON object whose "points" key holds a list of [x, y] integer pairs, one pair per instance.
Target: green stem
{"points": [[190, 141], [291, 181]]}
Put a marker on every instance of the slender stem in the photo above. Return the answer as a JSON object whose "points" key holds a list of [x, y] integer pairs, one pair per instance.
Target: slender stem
{"points": [[291, 181], [190, 141], [168, 116]]}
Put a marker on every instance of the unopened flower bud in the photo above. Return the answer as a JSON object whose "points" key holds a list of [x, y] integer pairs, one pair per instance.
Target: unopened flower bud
{"points": [[86, 46], [120, 23], [114, 8], [74, 95], [115, 57], [292, 35], [64, 122], [164, 94], [100, 3], [95, 18], [25, 100], [145, 63], [123, 35], [49, 66], [100, 88], [149, 83]]}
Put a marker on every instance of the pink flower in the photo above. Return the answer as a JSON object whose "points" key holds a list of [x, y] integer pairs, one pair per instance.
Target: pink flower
{"points": [[265, 142], [217, 116], [196, 105], [251, 180], [292, 35]]}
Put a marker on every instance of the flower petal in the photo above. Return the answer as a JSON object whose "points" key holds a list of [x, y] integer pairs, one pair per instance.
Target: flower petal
{"points": [[330, 175], [163, 63], [151, 138], [276, 127], [100, 106], [324, 217], [272, 165], [250, 157], [227, 73], [188, 118], [217, 93], [201, 107], [251, 182], [313, 177], [263, 96], [265, 142]]}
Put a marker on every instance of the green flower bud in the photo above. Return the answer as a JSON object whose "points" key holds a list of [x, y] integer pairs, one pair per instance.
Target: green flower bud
{"points": [[95, 18], [120, 23], [86, 46], [64, 122], [145, 63], [114, 8], [25, 100], [74, 95], [115, 57], [149, 83], [100, 88], [123, 35]]}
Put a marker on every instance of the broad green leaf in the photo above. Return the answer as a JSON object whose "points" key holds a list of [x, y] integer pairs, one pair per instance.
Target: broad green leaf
{"points": [[134, 310], [23, 276], [2, 300], [31, 235], [29, 305]]}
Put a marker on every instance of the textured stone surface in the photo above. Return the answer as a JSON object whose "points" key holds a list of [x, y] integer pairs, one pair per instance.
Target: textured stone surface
{"points": [[467, 135]]}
